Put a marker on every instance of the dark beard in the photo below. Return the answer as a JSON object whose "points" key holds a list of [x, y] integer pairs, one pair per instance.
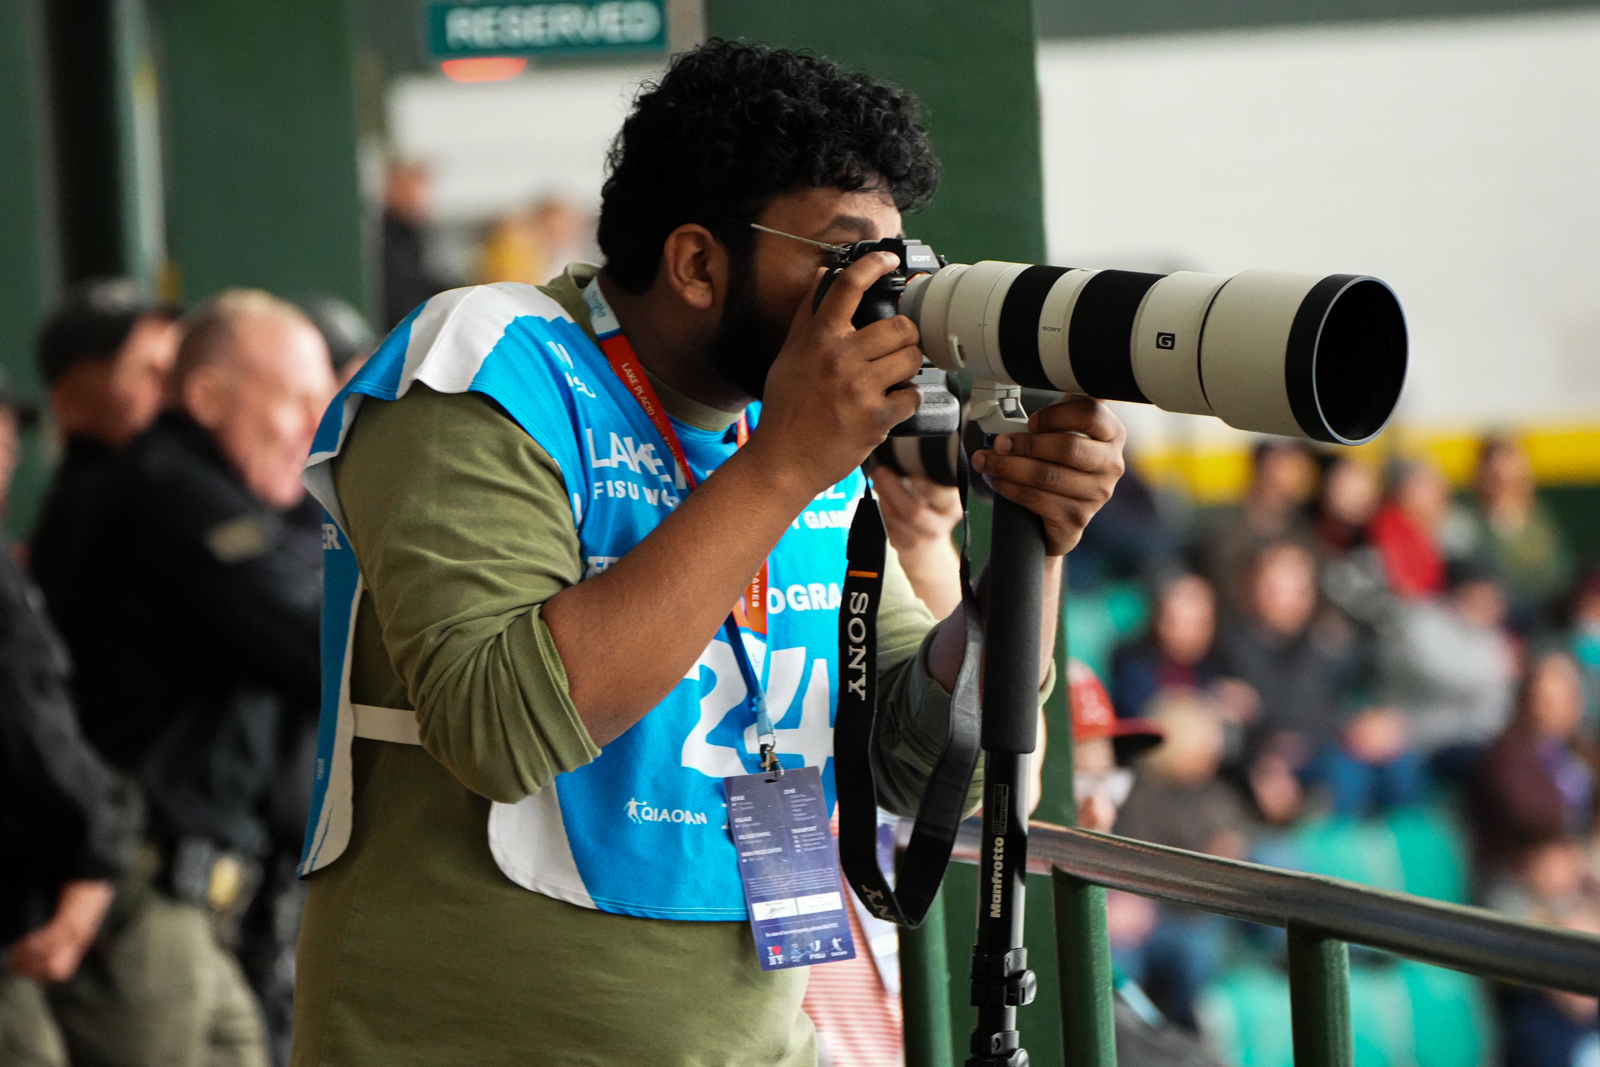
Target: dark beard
{"points": [[747, 341]]}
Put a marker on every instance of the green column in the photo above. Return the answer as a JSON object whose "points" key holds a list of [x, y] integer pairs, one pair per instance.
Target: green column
{"points": [[1319, 1000], [1084, 954], [28, 267], [106, 139], [973, 66], [1083, 949], [925, 990], [259, 118]]}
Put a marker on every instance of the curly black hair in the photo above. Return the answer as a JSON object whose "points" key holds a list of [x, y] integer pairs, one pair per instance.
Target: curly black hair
{"points": [[730, 126]]}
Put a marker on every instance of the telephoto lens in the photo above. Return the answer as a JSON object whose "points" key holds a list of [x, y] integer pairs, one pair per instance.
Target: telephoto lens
{"points": [[1304, 355]]}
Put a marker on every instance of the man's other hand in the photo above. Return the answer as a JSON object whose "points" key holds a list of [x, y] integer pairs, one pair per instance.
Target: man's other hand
{"points": [[919, 516], [1063, 470]]}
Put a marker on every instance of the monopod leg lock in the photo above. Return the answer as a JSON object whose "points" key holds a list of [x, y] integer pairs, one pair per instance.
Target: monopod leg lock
{"points": [[1001, 981]]}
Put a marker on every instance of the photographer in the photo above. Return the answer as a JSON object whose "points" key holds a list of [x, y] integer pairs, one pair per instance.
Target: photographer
{"points": [[540, 592]]}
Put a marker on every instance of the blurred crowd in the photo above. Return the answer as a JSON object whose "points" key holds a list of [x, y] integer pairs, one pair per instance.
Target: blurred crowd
{"points": [[1346, 655]]}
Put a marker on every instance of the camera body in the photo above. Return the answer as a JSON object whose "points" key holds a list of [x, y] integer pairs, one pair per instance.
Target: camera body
{"points": [[940, 413]]}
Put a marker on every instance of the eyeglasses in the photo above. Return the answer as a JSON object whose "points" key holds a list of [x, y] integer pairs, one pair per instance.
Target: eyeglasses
{"points": [[838, 250]]}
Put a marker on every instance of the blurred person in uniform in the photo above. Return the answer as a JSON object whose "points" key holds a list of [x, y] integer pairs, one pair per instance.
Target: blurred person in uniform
{"points": [[1507, 528], [68, 823], [1283, 479], [105, 355], [192, 626], [408, 277]]}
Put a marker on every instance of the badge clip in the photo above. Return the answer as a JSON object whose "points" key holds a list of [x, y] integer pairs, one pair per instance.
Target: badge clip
{"points": [[769, 758]]}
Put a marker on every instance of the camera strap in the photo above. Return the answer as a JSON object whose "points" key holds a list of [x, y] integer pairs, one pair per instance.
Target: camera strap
{"points": [[933, 832]]}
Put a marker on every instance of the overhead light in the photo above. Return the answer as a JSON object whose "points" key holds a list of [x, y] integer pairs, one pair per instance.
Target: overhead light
{"points": [[483, 68]]}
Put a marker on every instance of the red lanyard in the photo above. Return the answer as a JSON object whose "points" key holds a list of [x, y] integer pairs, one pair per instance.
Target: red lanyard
{"points": [[751, 610]]}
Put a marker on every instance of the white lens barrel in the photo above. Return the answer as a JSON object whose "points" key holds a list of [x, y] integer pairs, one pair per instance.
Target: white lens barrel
{"points": [[1166, 341], [1306, 355], [1246, 333], [1055, 359], [957, 311]]}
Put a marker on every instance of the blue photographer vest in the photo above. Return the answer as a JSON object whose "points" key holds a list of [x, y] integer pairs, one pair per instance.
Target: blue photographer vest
{"points": [[642, 829]]}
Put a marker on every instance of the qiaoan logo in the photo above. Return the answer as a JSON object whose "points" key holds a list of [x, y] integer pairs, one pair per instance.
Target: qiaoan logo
{"points": [[640, 812]]}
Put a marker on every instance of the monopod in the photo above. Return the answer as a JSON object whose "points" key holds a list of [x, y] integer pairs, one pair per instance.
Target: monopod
{"points": [[1001, 981]]}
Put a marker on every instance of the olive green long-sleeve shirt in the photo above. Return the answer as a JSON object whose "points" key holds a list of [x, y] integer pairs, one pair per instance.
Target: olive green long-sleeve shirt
{"points": [[415, 947]]}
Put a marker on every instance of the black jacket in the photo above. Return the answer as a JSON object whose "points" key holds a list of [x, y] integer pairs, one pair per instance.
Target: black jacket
{"points": [[63, 813], [193, 620], [74, 487]]}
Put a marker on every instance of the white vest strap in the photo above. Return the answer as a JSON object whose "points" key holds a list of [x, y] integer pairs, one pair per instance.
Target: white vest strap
{"points": [[397, 725]]}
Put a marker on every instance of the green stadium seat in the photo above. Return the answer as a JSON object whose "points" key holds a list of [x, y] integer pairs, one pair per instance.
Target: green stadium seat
{"points": [[1418, 850], [1403, 1014]]}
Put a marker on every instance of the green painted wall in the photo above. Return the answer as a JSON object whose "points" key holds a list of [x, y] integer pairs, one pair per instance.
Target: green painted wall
{"points": [[259, 125], [1100, 18], [27, 267], [973, 66]]}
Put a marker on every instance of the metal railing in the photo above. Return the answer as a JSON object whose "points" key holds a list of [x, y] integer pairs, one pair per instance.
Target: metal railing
{"points": [[1322, 916]]}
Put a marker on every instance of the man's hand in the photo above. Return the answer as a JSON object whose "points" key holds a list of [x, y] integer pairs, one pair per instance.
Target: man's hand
{"points": [[1063, 470], [918, 513], [919, 517], [52, 952], [827, 403]]}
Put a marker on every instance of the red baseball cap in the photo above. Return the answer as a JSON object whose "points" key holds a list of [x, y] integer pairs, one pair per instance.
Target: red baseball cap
{"points": [[1093, 716]]}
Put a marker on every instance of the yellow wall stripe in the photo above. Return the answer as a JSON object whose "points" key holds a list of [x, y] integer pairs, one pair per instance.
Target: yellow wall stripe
{"points": [[1218, 474]]}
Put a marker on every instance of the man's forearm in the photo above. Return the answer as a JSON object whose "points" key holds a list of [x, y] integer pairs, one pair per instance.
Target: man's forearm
{"points": [[628, 635], [948, 646]]}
